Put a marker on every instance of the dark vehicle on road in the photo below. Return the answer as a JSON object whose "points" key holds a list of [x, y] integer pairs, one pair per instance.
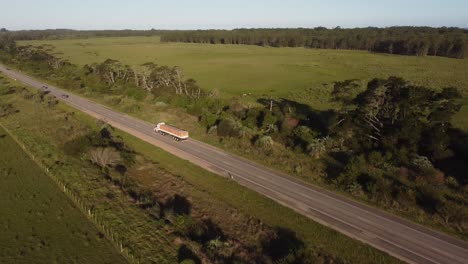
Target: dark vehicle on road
{"points": [[44, 87], [65, 96]]}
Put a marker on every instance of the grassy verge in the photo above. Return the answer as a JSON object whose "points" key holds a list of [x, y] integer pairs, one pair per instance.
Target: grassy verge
{"points": [[45, 130], [31, 204], [266, 210]]}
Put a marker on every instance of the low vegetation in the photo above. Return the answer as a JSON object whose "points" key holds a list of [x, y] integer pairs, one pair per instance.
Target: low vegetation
{"points": [[164, 209], [31, 203]]}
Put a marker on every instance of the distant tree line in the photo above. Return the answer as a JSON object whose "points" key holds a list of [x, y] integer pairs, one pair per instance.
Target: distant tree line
{"points": [[419, 41], [70, 33]]}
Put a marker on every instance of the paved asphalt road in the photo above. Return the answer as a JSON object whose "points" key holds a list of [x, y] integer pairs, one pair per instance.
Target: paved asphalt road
{"points": [[400, 238]]}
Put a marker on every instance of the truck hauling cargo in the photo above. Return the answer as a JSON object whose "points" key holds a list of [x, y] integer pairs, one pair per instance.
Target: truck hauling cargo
{"points": [[176, 133]]}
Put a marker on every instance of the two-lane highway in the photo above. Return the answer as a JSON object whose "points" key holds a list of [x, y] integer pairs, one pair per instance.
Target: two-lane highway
{"points": [[396, 236]]}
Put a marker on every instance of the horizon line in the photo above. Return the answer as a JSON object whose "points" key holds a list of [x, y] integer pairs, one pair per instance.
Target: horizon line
{"points": [[233, 28]]}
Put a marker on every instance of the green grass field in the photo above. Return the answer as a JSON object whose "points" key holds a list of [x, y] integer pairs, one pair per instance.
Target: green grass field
{"points": [[303, 75], [38, 224]]}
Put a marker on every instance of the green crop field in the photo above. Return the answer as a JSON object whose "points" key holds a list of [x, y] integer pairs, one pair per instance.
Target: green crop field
{"points": [[304, 75], [31, 204]]}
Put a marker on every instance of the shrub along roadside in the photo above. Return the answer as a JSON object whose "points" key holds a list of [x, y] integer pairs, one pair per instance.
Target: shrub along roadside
{"points": [[51, 127]]}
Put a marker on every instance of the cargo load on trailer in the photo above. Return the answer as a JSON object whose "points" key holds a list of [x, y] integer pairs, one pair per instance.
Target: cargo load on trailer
{"points": [[176, 133]]}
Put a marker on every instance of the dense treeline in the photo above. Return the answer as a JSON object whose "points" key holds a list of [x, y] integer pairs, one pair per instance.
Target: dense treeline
{"points": [[420, 41], [70, 33]]}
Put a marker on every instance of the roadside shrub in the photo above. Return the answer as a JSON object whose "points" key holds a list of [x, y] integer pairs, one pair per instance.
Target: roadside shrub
{"points": [[77, 146], [245, 132], [375, 158], [452, 182], [317, 147], [160, 104], [41, 96], [355, 189], [115, 100], [128, 157], [251, 118], [208, 119], [288, 124], [195, 109], [132, 108], [428, 198], [27, 94], [264, 142], [266, 119], [453, 213], [212, 129], [7, 110], [8, 90], [213, 247], [135, 93], [303, 136], [228, 128], [353, 169], [186, 226], [423, 166], [110, 195], [51, 101], [104, 157]]}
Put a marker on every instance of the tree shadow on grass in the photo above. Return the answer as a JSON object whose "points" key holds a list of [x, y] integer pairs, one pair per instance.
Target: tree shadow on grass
{"points": [[455, 166], [281, 243], [178, 204], [335, 162], [185, 253]]}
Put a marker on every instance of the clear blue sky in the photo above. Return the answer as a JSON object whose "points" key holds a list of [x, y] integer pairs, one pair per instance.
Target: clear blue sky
{"points": [[193, 14]]}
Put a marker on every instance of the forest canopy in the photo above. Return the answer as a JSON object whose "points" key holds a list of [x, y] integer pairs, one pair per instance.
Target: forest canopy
{"points": [[419, 41]]}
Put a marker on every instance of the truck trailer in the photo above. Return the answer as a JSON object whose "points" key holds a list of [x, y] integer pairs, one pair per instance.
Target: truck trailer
{"points": [[176, 133]]}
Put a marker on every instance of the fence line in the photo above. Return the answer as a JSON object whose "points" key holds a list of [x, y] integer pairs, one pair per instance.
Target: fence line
{"points": [[98, 222]]}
